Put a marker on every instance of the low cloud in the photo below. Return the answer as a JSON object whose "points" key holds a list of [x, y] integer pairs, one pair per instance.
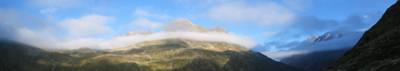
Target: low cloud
{"points": [[80, 33], [180, 28], [278, 55], [136, 37], [88, 25], [13, 26], [42, 38], [123, 41]]}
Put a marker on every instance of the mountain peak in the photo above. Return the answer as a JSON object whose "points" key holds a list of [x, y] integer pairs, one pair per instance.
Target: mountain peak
{"points": [[186, 25], [183, 25], [326, 36]]}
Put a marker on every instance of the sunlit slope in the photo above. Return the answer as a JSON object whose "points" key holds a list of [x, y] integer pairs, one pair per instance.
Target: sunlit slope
{"points": [[157, 55]]}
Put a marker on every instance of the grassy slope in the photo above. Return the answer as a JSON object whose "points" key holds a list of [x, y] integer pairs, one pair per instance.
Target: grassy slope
{"points": [[163, 55]]}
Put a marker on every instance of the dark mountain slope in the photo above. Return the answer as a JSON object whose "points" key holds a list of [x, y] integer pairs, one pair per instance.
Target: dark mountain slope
{"points": [[378, 49], [14, 54], [315, 61]]}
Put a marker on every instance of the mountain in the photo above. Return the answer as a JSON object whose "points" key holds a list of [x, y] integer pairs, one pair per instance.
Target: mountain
{"points": [[325, 42], [321, 51], [157, 55], [315, 53], [378, 49], [330, 41], [185, 25], [314, 61], [326, 36]]}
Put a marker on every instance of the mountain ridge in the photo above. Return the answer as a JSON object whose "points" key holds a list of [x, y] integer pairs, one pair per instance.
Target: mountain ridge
{"points": [[378, 49], [170, 55]]}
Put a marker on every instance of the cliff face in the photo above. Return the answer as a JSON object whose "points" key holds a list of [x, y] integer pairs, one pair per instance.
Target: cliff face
{"points": [[378, 49]]}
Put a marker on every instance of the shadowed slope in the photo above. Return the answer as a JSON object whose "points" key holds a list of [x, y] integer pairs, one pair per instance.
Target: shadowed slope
{"points": [[378, 49]]}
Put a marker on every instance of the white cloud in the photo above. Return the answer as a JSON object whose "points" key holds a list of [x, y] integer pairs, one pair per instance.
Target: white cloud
{"points": [[49, 42], [186, 33], [13, 26], [266, 14], [46, 36], [87, 25], [39, 38], [278, 55], [132, 39], [124, 41], [145, 24]]}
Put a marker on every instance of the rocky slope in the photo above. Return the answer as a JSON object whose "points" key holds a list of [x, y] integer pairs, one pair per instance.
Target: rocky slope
{"points": [[378, 49], [157, 55]]}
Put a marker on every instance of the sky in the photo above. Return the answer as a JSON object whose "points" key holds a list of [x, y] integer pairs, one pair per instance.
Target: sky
{"points": [[261, 21]]}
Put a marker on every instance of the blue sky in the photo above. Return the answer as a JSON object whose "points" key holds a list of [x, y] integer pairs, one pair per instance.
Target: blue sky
{"points": [[261, 20]]}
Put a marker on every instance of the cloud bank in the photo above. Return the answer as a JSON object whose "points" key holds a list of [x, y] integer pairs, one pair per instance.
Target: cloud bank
{"points": [[181, 29], [88, 25], [123, 41], [83, 32]]}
